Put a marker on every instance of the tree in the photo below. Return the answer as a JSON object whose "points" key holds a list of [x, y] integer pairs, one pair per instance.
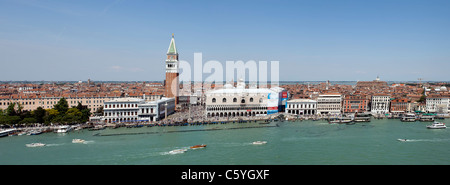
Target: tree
{"points": [[62, 106], [28, 120], [10, 111], [86, 112], [19, 108], [50, 114], [39, 115]]}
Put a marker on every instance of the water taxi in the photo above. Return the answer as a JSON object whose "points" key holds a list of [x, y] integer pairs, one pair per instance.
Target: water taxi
{"points": [[259, 142], [178, 151], [437, 125], [78, 141], [35, 144], [198, 146]]}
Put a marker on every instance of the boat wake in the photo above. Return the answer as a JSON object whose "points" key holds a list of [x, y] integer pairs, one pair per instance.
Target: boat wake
{"points": [[60, 144], [424, 140], [88, 142]]}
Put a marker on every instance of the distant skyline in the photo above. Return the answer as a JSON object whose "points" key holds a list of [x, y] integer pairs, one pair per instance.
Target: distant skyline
{"points": [[123, 40]]}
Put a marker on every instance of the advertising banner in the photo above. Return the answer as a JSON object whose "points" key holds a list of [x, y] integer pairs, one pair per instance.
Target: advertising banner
{"points": [[272, 103]]}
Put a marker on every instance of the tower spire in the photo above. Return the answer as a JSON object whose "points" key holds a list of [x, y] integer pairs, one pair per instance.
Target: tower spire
{"points": [[172, 47]]}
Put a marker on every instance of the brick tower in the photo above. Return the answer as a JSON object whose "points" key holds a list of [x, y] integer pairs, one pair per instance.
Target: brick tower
{"points": [[172, 83]]}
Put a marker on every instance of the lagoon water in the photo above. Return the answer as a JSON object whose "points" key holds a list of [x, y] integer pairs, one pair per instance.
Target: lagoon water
{"points": [[299, 143]]}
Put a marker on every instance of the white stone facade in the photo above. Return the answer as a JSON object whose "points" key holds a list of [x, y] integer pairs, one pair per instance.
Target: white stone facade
{"points": [[437, 104], [135, 109], [380, 104], [329, 104], [301, 107]]}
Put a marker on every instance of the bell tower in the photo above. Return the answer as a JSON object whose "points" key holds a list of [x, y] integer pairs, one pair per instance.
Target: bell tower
{"points": [[172, 83]]}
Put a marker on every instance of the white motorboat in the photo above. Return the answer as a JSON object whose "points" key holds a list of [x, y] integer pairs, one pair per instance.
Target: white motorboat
{"points": [[35, 144], [259, 142], [402, 140], [78, 141], [437, 125]]}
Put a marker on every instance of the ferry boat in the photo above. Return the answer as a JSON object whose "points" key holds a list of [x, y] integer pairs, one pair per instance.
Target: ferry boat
{"points": [[35, 144], [78, 141], [7, 132], [341, 120], [361, 118], [198, 146], [426, 118], [259, 142], [178, 151], [409, 118], [437, 125]]}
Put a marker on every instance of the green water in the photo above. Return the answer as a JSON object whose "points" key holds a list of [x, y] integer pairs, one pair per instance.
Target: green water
{"points": [[307, 142]]}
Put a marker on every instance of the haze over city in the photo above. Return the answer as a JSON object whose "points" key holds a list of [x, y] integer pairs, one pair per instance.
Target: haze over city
{"points": [[313, 40]]}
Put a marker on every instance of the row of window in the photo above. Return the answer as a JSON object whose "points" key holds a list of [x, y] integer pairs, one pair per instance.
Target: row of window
{"points": [[234, 108], [224, 100], [129, 113], [302, 106], [121, 105]]}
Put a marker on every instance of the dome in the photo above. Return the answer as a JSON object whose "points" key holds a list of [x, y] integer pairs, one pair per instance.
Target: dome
{"points": [[443, 88]]}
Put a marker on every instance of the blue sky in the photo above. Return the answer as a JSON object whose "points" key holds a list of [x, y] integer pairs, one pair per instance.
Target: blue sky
{"points": [[313, 40]]}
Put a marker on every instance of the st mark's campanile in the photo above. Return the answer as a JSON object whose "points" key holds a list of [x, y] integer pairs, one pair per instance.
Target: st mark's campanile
{"points": [[172, 83]]}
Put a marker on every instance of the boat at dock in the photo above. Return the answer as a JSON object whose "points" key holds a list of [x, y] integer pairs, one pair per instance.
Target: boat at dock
{"points": [[340, 120], [35, 145], [361, 117], [426, 118], [7, 132], [198, 146], [34, 132], [437, 125], [97, 127], [63, 129], [409, 118]]}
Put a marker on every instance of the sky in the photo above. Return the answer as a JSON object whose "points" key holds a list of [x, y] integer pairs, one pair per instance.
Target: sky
{"points": [[313, 40]]}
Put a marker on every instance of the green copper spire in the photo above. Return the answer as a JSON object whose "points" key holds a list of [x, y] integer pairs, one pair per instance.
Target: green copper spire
{"points": [[172, 47]]}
